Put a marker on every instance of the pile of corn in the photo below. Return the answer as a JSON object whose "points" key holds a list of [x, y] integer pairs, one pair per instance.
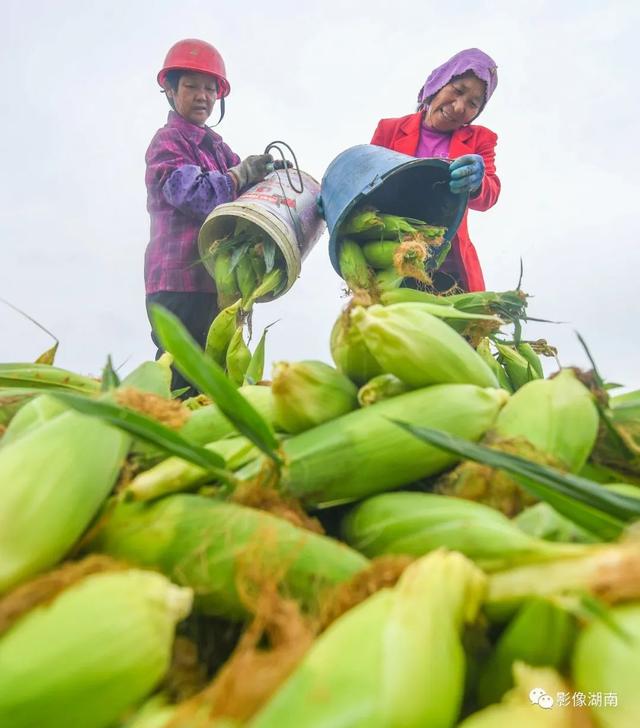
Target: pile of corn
{"points": [[428, 533], [378, 252]]}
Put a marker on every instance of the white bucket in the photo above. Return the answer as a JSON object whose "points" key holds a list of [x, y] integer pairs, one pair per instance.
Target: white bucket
{"points": [[290, 218]]}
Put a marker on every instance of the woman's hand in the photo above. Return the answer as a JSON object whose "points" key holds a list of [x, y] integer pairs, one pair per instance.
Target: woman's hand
{"points": [[252, 170], [467, 173]]}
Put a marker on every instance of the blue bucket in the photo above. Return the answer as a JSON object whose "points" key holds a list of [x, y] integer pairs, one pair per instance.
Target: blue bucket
{"points": [[391, 182]]}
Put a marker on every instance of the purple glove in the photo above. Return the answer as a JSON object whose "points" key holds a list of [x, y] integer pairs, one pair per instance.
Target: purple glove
{"points": [[467, 173]]}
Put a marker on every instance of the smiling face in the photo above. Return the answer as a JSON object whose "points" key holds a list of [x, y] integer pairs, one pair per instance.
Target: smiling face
{"points": [[456, 104], [195, 96]]}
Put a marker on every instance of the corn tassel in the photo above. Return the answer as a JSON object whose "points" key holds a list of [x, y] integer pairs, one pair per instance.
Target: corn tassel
{"points": [[353, 266], [99, 648], [406, 642], [416, 523], [218, 548], [418, 348]]}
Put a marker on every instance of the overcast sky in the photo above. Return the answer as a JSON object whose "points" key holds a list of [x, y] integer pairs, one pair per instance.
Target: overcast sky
{"points": [[81, 105]]}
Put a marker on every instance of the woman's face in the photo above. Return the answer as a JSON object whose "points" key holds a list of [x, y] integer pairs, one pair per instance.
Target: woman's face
{"points": [[456, 104], [195, 96]]}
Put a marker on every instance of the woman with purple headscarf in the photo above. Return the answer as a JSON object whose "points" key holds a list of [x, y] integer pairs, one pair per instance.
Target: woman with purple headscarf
{"points": [[452, 97]]}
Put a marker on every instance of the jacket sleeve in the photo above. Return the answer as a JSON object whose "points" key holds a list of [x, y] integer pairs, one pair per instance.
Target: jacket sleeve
{"points": [[489, 191], [172, 168]]}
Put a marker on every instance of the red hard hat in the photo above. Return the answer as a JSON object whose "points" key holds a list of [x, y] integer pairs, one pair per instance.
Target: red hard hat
{"points": [[196, 55]]}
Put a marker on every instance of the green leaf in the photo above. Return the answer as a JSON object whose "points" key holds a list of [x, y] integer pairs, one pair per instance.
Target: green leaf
{"points": [[602, 512], [237, 253], [149, 430], [211, 380], [255, 370], [110, 379]]}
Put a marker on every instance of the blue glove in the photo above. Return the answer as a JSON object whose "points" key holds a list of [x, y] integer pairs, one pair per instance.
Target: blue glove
{"points": [[467, 173]]}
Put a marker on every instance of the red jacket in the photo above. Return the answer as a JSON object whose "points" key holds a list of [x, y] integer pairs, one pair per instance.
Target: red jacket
{"points": [[403, 135]]}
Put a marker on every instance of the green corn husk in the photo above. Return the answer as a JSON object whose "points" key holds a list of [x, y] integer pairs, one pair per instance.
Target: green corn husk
{"points": [[379, 388], [36, 412], [207, 423], [45, 376], [349, 352], [418, 348], [255, 370], [54, 479], [543, 521], [392, 227], [517, 708], [238, 357], [546, 420], [100, 647], [215, 548], [353, 266], [245, 276], [361, 221], [541, 634], [609, 572], [608, 662], [620, 449], [174, 474], [518, 369], [406, 643], [416, 523], [221, 332], [308, 393], [364, 452], [225, 278], [526, 350], [484, 350], [379, 254], [387, 280]]}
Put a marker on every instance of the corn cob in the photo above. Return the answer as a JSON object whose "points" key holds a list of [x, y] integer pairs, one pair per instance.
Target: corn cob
{"points": [[217, 548], [607, 661], [207, 424], [402, 639], [54, 478], [551, 421], [238, 357], [387, 280], [379, 253], [518, 369], [416, 523], [518, 709], [99, 648], [221, 332], [224, 276], [174, 474], [353, 266], [307, 393], [418, 348], [45, 376], [349, 352], [484, 349], [609, 572], [245, 277], [364, 452], [379, 388], [393, 226], [360, 221], [36, 412], [541, 634]]}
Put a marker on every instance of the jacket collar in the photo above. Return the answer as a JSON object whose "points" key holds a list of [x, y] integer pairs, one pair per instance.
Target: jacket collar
{"points": [[408, 136], [193, 132]]}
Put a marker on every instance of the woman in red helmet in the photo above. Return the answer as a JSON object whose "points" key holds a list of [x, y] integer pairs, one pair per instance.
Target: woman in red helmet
{"points": [[190, 170]]}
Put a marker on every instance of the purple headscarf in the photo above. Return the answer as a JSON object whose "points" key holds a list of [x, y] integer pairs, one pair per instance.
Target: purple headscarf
{"points": [[472, 59]]}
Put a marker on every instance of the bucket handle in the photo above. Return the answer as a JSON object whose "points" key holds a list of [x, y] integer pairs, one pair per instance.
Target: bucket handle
{"points": [[277, 145]]}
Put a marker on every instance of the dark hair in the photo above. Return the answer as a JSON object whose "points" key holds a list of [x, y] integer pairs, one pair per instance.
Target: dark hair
{"points": [[173, 77]]}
